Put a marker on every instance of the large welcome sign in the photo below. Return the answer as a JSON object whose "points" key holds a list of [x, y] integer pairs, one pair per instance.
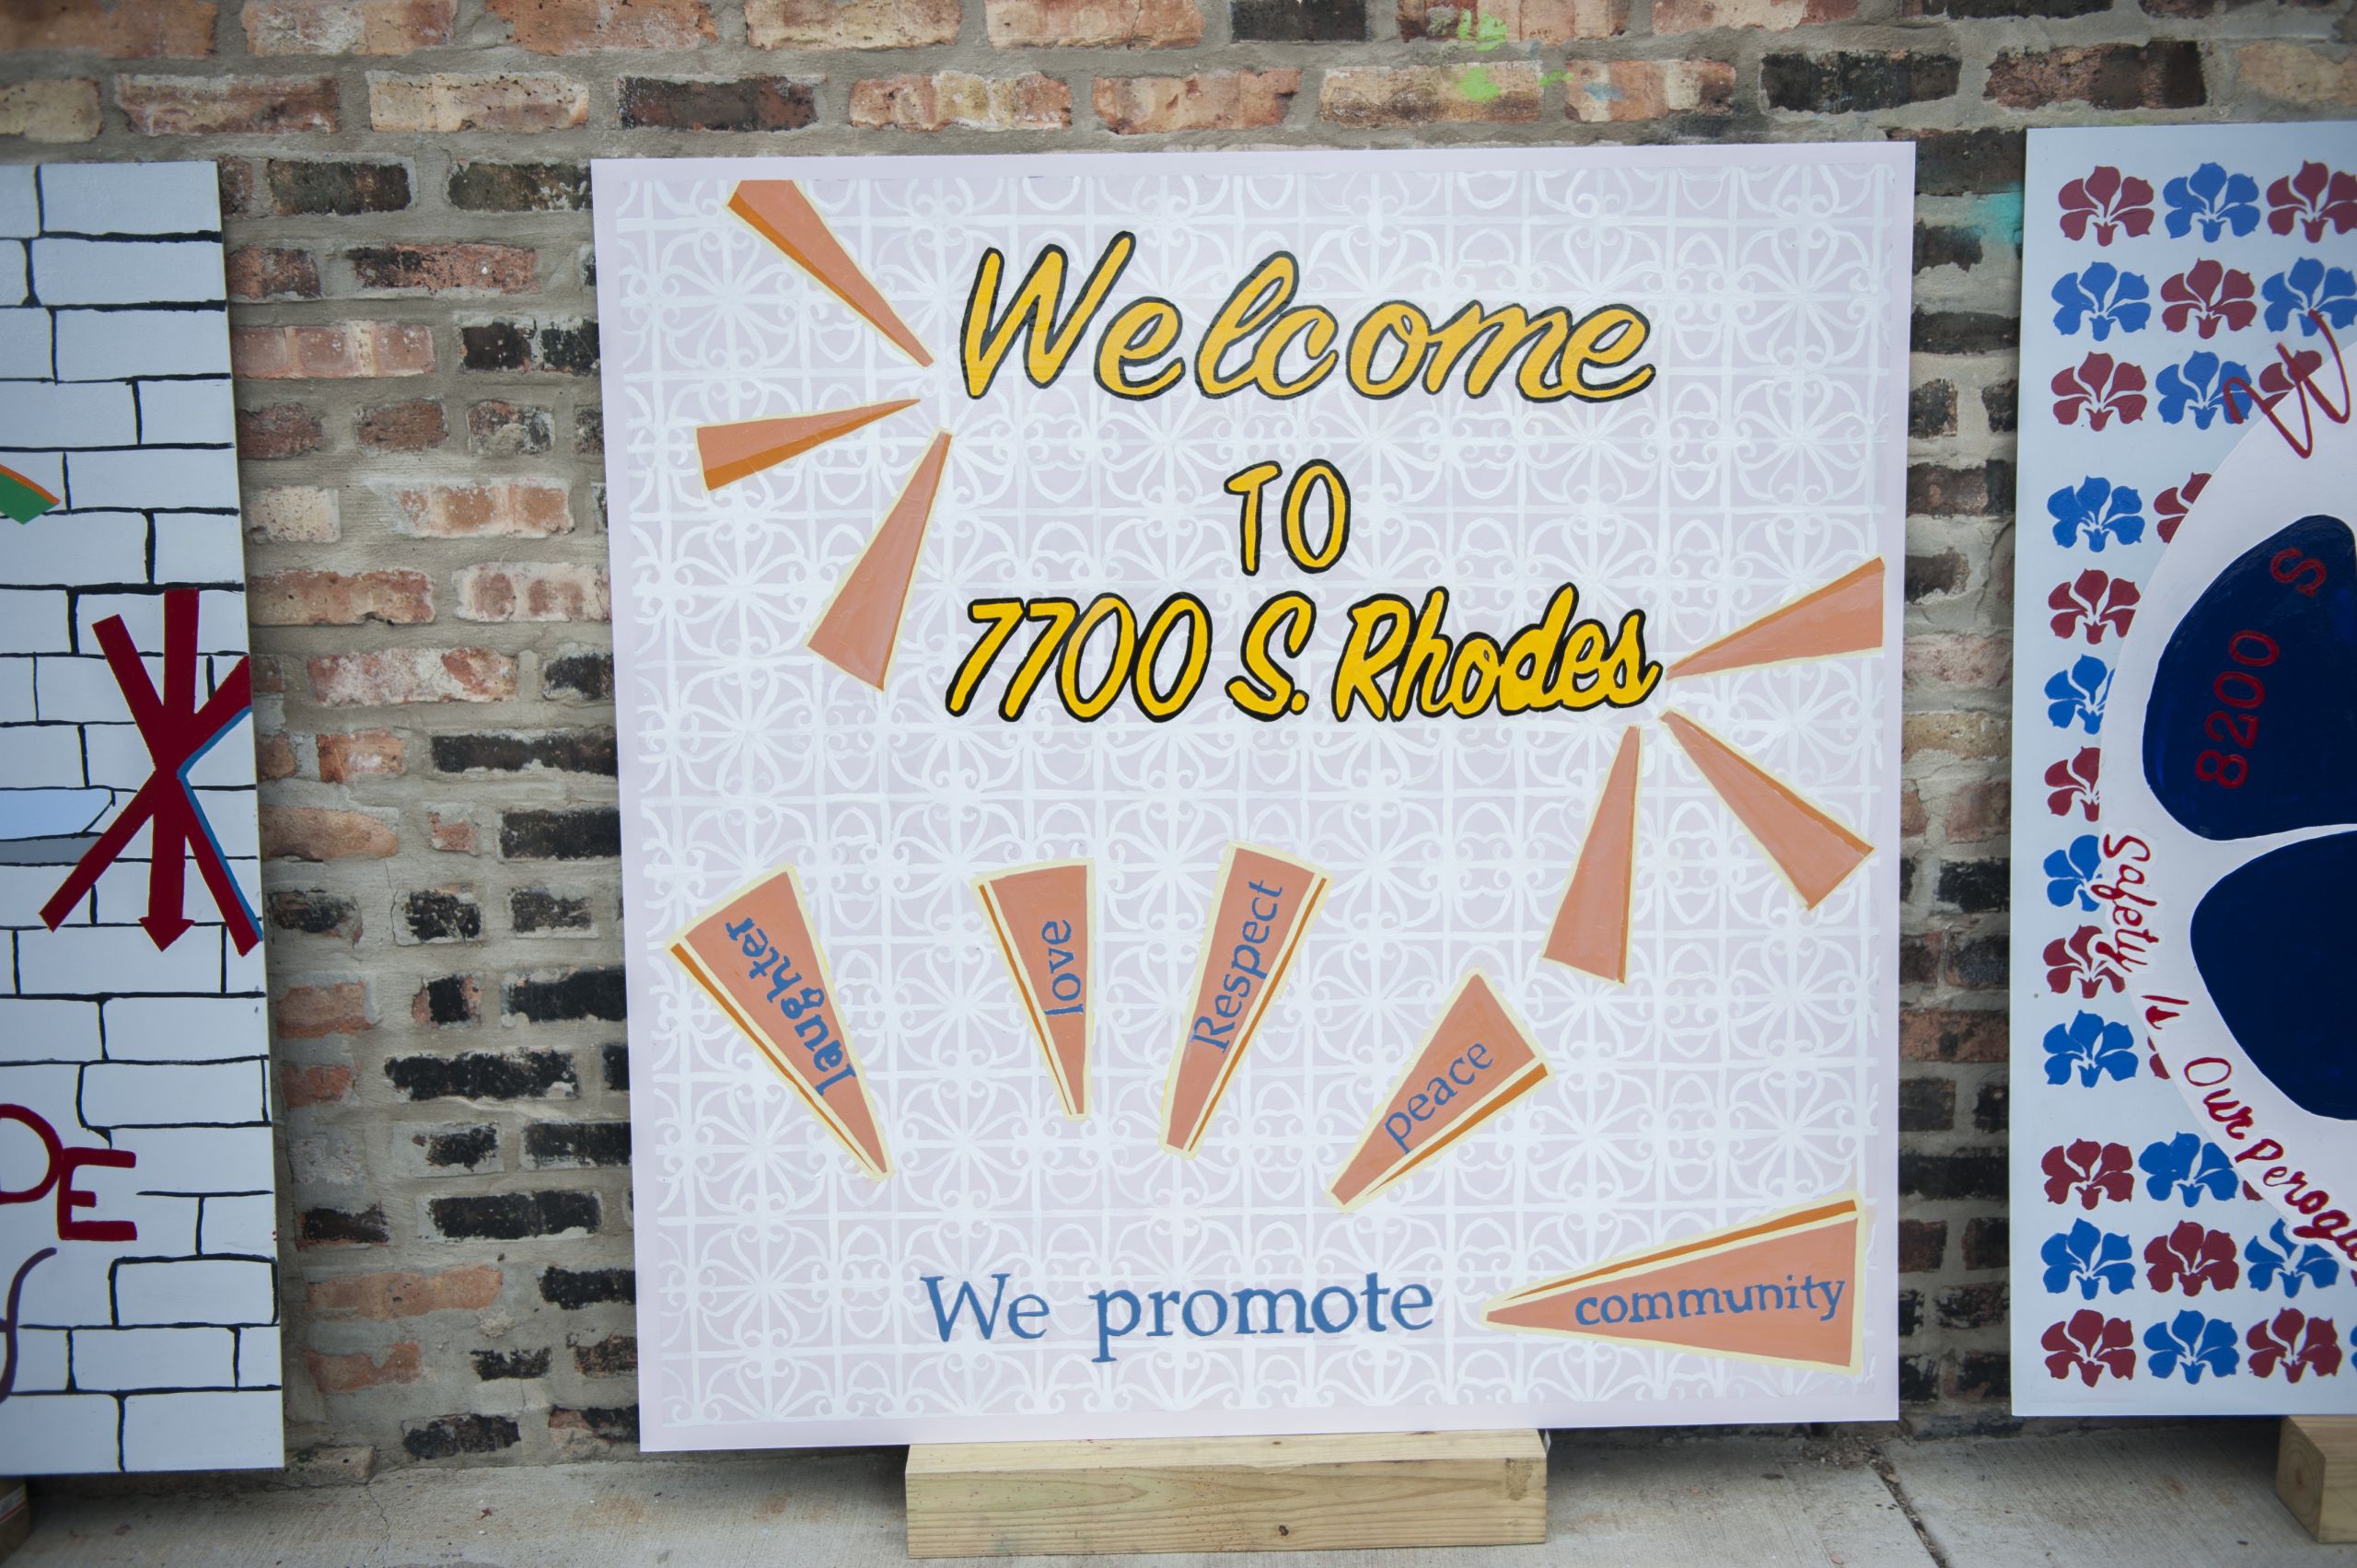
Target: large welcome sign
{"points": [[1258, 791]]}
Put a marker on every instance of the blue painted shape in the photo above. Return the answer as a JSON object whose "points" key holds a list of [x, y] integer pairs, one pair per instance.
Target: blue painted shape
{"points": [[2271, 939], [2301, 752]]}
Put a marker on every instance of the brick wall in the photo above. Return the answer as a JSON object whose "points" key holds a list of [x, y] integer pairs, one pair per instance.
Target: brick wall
{"points": [[407, 193]]}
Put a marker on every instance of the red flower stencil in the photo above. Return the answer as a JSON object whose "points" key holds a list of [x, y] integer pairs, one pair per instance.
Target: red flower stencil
{"points": [[2190, 1257], [2206, 296], [2296, 1343], [2072, 960], [2102, 388], [2092, 1170], [2176, 502], [2091, 1345], [2310, 199], [2109, 202], [2074, 783], [2095, 600]]}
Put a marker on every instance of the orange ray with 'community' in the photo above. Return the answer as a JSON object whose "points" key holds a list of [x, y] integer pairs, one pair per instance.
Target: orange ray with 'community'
{"points": [[781, 213], [1813, 850], [860, 627], [731, 452], [1591, 929], [1843, 616]]}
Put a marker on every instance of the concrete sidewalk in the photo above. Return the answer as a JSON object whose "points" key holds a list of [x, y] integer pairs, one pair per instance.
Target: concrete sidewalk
{"points": [[2138, 1497]]}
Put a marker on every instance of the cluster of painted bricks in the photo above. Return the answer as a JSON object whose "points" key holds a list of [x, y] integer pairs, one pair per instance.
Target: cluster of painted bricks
{"points": [[114, 397], [406, 189]]}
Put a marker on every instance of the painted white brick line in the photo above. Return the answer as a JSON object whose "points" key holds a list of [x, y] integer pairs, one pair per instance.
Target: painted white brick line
{"points": [[147, 1094], [83, 690], [118, 759], [154, 479], [20, 205], [127, 272], [57, 1423], [74, 547], [248, 1226], [192, 412], [200, 547], [227, 1291], [97, 960], [201, 1159], [114, 1361], [41, 1359], [220, 619], [16, 276], [259, 1359], [92, 413], [32, 621], [17, 691], [33, 1030], [196, 1028], [35, 756], [116, 345], [24, 345], [193, 1432], [130, 198]]}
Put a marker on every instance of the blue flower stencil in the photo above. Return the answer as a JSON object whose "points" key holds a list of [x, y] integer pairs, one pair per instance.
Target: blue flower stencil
{"points": [[2070, 873], [2191, 1343], [2104, 297], [2097, 511], [2076, 695], [2309, 285], [2188, 1166], [2281, 1258], [2201, 386], [2091, 1047], [2092, 1260], [2213, 199]]}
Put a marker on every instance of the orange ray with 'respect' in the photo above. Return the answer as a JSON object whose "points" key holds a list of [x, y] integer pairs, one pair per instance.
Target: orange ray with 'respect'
{"points": [[1591, 929], [781, 213], [861, 625], [731, 452], [1814, 851], [1843, 616]]}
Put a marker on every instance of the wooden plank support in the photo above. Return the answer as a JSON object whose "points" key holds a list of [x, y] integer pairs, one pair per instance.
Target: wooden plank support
{"points": [[2315, 1474], [1314, 1494]]}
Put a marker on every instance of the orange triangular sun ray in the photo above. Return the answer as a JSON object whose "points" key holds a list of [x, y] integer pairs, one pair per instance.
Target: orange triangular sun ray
{"points": [[731, 452], [780, 212], [860, 626], [1845, 616], [1591, 929], [1814, 852]]}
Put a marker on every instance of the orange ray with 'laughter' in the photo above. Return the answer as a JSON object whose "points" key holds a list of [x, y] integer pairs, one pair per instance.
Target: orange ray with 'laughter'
{"points": [[860, 627], [1843, 616], [1591, 929], [781, 213], [1815, 851], [731, 452]]}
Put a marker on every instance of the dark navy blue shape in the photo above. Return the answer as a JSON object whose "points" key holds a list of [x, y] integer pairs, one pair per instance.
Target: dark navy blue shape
{"points": [[2302, 754], [2273, 941]]}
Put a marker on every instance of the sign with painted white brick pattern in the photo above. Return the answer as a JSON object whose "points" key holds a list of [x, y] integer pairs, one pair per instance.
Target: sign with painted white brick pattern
{"points": [[138, 1218]]}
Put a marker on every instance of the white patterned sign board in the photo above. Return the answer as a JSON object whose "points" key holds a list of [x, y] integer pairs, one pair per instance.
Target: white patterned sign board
{"points": [[1260, 792], [138, 1223]]}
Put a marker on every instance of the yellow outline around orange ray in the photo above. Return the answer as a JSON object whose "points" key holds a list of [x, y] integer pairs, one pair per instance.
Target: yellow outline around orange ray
{"points": [[740, 450], [1845, 616], [864, 611], [781, 213], [1608, 852], [1790, 832]]}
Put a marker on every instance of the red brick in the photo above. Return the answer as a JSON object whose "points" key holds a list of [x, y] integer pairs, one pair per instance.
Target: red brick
{"points": [[444, 269], [574, 27], [1912, 820], [1092, 24], [451, 830], [850, 24], [347, 27], [448, 101], [1954, 735], [274, 758], [524, 509], [309, 1085], [318, 832], [280, 430], [2293, 73], [55, 110], [397, 596], [270, 271], [293, 514], [1922, 1246], [1947, 659], [360, 754], [392, 677], [337, 353], [1980, 812], [412, 426], [1777, 15], [318, 1012], [955, 99], [1601, 91], [531, 591], [208, 106], [401, 1292], [1501, 91], [1525, 21], [2162, 75], [1208, 100], [1952, 1034], [125, 29], [344, 1372]]}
